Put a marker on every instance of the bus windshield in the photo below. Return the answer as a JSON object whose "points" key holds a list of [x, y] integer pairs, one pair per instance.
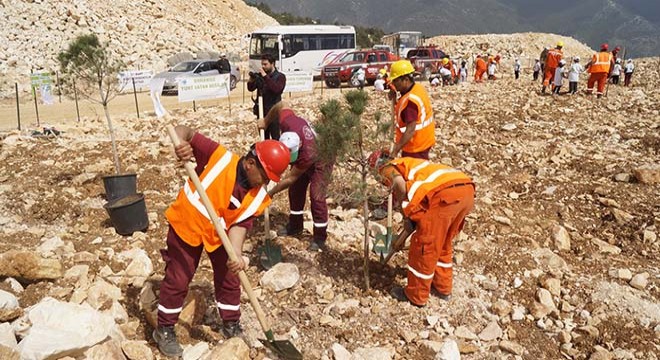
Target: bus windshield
{"points": [[264, 44], [409, 40]]}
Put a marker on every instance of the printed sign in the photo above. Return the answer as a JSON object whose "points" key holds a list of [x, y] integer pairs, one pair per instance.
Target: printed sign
{"points": [[203, 87], [142, 79], [298, 82], [41, 78]]}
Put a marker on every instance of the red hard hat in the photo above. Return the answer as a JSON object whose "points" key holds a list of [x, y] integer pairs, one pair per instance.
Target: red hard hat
{"points": [[378, 158], [274, 157], [604, 46], [618, 48]]}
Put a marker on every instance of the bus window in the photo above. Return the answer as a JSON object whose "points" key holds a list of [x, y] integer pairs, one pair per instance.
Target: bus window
{"points": [[264, 44]]}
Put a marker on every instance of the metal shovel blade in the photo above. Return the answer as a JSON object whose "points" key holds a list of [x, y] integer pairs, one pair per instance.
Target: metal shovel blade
{"points": [[383, 244], [269, 254], [284, 349]]}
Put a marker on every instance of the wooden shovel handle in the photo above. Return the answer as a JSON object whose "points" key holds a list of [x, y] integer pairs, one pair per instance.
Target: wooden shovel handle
{"points": [[398, 243], [245, 282]]}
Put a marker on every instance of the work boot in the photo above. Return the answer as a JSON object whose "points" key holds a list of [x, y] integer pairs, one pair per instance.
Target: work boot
{"points": [[317, 246], [231, 329], [399, 294], [289, 232], [165, 338], [445, 297]]}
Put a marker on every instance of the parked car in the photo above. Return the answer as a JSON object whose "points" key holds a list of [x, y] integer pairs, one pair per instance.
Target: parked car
{"points": [[194, 67], [427, 60], [342, 67]]}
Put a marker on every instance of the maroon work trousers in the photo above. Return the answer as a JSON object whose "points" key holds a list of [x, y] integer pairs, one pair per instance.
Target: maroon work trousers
{"points": [[317, 178], [181, 261]]}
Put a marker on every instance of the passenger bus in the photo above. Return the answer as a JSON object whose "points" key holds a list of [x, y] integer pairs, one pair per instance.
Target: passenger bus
{"points": [[300, 47], [403, 41]]}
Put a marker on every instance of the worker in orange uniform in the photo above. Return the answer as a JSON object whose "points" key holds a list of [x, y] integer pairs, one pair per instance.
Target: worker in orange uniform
{"points": [[434, 199], [551, 63], [415, 127], [234, 185], [599, 68], [480, 69]]}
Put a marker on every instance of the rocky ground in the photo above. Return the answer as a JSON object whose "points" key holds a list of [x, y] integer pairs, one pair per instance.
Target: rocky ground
{"points": [[559, 258]]}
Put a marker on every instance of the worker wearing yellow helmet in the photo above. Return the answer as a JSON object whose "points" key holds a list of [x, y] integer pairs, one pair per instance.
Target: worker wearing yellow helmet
{"points": [[552, 60], [415, 128]]}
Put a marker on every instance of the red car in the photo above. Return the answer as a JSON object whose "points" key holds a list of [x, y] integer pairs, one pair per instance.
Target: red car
{"points": [[342, 67], [427, 60]]}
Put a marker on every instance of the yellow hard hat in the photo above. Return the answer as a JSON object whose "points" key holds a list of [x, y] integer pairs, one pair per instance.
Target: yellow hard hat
{"points": [[382, 71], [400, 68], [560, 44], [445, 61]]}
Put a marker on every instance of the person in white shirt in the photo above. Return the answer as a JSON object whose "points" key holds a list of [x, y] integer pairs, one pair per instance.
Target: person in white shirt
{"points": [[628, 71], [574, 75], [379, 84], [446, 76], [558, 81], [516, 68], [537, 69], [361, 75], [616, 72], [491, 70], [463, 71]]}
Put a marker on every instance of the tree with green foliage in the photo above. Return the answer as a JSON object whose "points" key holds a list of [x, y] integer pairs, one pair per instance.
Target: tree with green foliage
{"points": [[344, 137], [88, 65]]}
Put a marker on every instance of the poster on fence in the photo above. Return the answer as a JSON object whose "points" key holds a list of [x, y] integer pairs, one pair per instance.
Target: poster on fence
{"points": [[43, 82], [298, 82], [203, 87], [142, 79]]}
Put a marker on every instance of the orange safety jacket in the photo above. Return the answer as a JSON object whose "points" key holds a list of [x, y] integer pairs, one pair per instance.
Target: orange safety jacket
{"points": [[553, 59], [424, 178], [600, 62], [481, 64], [188, 216], [424, 136]]}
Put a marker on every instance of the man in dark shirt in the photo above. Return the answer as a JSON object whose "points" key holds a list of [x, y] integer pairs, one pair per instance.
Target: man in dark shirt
{"points": [[223, 64], [269, 84]]}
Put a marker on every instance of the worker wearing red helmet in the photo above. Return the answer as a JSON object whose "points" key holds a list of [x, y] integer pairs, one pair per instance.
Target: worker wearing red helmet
{"points": [[307, 170], [235, 186], [599, 68], [434, 199]]}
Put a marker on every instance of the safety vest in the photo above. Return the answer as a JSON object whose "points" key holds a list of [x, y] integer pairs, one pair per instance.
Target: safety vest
{"points": [[188, 216], [553, 59], [481, 64], [424, 136], [600, 62], [422, 178]]}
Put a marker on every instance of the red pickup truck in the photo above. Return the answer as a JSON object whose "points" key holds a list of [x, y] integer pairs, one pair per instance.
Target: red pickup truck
{"points": [[342, 67], [427, 60]]}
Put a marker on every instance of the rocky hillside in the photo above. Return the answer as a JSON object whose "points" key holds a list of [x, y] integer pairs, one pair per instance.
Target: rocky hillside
{"points": [[142, 33], [634, 24], [557, 260]]}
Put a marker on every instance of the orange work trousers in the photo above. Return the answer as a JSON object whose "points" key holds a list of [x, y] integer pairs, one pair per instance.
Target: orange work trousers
{"points": [[479, 74], [431, 250], [548, 75], [601, 79]]}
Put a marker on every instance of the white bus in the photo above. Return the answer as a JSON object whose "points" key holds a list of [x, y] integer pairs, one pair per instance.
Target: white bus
{"points": [[300, 47], [403, 41]]}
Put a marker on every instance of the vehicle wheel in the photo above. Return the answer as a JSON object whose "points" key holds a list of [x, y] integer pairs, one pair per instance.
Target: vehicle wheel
{"points": [[427, 73], [232, 82], [333, 83]]}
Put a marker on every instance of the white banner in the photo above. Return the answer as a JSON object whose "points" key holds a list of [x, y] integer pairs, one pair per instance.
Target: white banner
{"points": [[298, 82], [142, 79], [203, 87], [46, 94], [156, 88]]}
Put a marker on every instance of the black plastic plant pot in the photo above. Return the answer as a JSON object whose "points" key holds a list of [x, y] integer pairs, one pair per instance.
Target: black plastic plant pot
{"points": [[128, 214], [118, 186]]}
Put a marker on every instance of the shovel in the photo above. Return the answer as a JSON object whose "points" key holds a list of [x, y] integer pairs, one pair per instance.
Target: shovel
{"points": [[269, 253], [283, 348], [396, 246], [383, 243]]}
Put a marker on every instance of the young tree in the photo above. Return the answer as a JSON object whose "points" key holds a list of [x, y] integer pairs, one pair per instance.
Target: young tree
{"points": [[88, 62], [344, 138]]}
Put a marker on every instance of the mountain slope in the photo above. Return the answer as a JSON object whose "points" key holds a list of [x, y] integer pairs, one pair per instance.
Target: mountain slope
{"points": [[634, 24]]}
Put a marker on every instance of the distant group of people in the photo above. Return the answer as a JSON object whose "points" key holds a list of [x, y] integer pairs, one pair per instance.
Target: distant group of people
{"points": [[603, 66]]}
